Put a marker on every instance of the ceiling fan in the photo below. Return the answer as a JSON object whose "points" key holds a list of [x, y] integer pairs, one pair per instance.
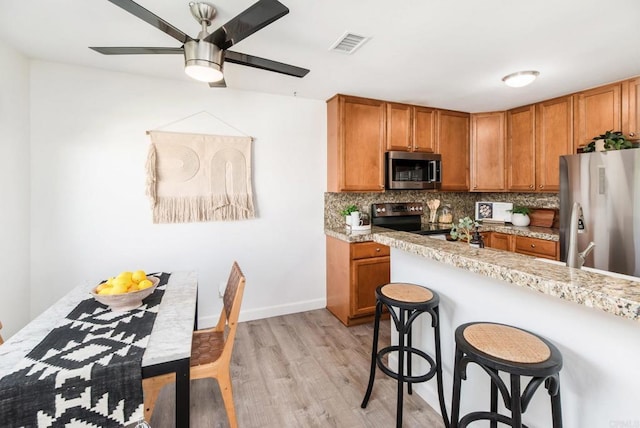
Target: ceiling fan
{"points": [[204, 56]]}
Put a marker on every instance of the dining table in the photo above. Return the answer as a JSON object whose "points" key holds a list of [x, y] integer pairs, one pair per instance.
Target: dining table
{"points": [[168, 349]]}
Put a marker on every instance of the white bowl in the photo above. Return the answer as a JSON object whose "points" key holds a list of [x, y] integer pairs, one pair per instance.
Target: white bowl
{"points": [[126, 301]]}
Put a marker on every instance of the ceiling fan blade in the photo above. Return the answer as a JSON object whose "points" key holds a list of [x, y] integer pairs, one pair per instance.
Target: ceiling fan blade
{"points": [[148, 17], [219, 84], [264, 64], [136, 50], [257, 16]]}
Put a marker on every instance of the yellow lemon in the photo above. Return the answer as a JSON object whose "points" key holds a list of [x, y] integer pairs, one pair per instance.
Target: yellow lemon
{"points": [[106, 291], [138, 276], [102, 286], [110, 281], [119, 288], [132, 287], [145, 283], [125, 275]]}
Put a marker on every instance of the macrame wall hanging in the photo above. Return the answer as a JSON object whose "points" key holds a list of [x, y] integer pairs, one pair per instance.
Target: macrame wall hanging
{"points": [[199, 177]]}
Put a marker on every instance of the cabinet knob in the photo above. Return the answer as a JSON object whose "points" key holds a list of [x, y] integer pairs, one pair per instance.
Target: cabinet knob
{"points": [[541, 186], [632, 134], [533, 245], [530, 186], [377, 250]]}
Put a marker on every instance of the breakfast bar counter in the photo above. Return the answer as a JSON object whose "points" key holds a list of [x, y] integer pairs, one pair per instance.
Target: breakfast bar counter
{"points": [[592, 318]]}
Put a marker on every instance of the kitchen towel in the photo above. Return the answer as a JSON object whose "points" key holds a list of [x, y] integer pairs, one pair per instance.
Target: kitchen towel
{"points": [[86, 372], [199, 177]]}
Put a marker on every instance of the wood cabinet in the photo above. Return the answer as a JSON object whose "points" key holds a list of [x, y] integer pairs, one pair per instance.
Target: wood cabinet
{"points": [[354, 271], [597, 110], [536, 247], [554, 135], [521, 149], [355, 144], [452, 143], [524, 245], [537, 136], [631, 108], [501, 241], [488, 152], [410, 128]]}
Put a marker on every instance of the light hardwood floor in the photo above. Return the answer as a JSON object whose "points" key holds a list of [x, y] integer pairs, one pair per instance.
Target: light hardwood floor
{"points": [[301, 370]]}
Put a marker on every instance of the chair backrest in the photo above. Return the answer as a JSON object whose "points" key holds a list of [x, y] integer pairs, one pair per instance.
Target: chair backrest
{"points": [[1, 340], [232, 301]]}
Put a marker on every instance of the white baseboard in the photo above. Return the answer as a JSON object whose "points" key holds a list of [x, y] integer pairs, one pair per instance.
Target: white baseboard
{"points": [[268, 312]]}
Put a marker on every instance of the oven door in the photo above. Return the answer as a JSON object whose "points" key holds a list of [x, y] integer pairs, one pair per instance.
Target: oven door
{"points": [[406, 170]]}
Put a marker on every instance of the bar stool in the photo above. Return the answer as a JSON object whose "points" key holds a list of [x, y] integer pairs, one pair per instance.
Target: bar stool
{"points": [[410, 301], [502, 348]]}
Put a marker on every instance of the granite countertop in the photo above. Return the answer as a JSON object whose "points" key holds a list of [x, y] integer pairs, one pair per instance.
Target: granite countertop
{"points": [[617, 296], [344, 234]]}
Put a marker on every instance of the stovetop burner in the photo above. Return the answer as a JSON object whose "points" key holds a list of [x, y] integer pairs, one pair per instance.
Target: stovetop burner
{"points": [[405, 216]]}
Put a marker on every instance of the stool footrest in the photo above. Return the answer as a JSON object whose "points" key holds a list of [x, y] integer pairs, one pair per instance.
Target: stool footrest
{"points": [[409, 351]]}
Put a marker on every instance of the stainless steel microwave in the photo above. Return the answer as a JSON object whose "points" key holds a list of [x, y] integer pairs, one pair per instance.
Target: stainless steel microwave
{"points": [[411, 170]]}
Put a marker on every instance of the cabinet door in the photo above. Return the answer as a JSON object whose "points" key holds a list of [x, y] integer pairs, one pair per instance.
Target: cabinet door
{"points": [[424, 129], [356, 151], [453, 144], [367, 275], [554, 136], [631, 125], [597, 111], [487, 152], [521, 149], [501, 241], [399, 124]]}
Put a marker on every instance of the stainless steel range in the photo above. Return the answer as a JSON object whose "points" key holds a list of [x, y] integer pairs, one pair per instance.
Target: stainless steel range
{"points": [[405, 216]]}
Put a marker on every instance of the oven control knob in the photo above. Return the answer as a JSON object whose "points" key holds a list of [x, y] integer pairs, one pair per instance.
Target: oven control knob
{"points": [[378, 210], [420, 208], [384, 209]]}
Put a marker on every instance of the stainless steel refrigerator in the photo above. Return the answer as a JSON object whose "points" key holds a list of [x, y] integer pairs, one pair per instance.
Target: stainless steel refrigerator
{"points": [[607, 186]]}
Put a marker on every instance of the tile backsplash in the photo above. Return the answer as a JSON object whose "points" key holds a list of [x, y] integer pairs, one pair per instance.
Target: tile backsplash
{"points": [[462, 203]]}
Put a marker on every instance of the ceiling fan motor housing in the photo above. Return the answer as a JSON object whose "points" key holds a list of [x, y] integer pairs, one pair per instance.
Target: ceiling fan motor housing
{"points": [[199, 52]]}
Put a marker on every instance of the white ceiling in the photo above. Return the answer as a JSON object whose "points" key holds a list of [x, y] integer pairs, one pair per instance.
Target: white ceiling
{"points": [[442, 53]]}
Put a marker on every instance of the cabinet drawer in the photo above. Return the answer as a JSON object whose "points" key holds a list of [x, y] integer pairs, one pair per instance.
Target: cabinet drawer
{"points": [[363, 250], [536, 247]]}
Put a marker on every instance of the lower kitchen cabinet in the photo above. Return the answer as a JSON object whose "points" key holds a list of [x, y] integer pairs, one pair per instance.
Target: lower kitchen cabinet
{"points": [[524, 245], [354, 271]]}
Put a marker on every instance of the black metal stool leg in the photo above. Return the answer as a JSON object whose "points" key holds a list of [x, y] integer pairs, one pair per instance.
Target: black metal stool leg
{"points": [[401, 337], [556, 407], [457, 384], [516, 407], [374, 353], [436, 327], [409, 346], [494, 401]]}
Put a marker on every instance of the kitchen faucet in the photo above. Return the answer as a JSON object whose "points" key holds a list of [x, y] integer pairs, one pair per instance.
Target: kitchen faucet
{"points": [[574, 258]]}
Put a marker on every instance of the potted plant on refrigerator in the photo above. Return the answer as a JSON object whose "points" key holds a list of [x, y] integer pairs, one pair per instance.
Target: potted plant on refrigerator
{"points": [[520, 215]]}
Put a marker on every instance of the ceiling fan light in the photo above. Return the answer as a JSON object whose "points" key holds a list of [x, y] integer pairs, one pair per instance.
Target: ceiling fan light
{"points": [[203, 73], [520, 79], [203, 61]]}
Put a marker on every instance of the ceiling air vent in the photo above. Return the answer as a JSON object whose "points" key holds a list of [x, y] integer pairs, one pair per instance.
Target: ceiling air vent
{"points": [[348, 43]]}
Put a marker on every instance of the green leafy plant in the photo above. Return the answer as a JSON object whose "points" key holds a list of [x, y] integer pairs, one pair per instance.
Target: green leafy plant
{"points": [[464, 229], [612, 141], [348, 210], [520, 209]]}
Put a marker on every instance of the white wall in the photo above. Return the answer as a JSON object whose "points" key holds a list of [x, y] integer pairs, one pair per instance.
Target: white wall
{"points": [[91, 219], [14, 190]]}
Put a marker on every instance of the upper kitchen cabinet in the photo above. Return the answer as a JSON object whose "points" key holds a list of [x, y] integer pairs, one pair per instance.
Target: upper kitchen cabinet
{"points": [[355, 144], [521, 149], [631, 108], [596, 111], [554, 138], [410, 128], [453, 145], [488, 152]]}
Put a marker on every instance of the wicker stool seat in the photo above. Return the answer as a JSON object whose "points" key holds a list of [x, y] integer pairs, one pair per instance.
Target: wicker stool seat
{"points": [[405, 303], [501, 348]]}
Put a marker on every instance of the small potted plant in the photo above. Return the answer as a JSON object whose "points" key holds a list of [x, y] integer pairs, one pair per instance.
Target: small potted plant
{"points": [[520, 215], [608, 141], [463, 231], [347, 213]]}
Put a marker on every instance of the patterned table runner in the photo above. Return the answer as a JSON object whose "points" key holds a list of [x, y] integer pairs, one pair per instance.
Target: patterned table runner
{"points": [[86, 372]]}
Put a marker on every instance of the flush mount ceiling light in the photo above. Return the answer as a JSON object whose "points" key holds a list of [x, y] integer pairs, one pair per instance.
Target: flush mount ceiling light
{"points": [[520, 79]]}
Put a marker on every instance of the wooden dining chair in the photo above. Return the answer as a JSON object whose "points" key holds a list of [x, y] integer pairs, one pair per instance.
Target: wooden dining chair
{"points": [[210, 351]]}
